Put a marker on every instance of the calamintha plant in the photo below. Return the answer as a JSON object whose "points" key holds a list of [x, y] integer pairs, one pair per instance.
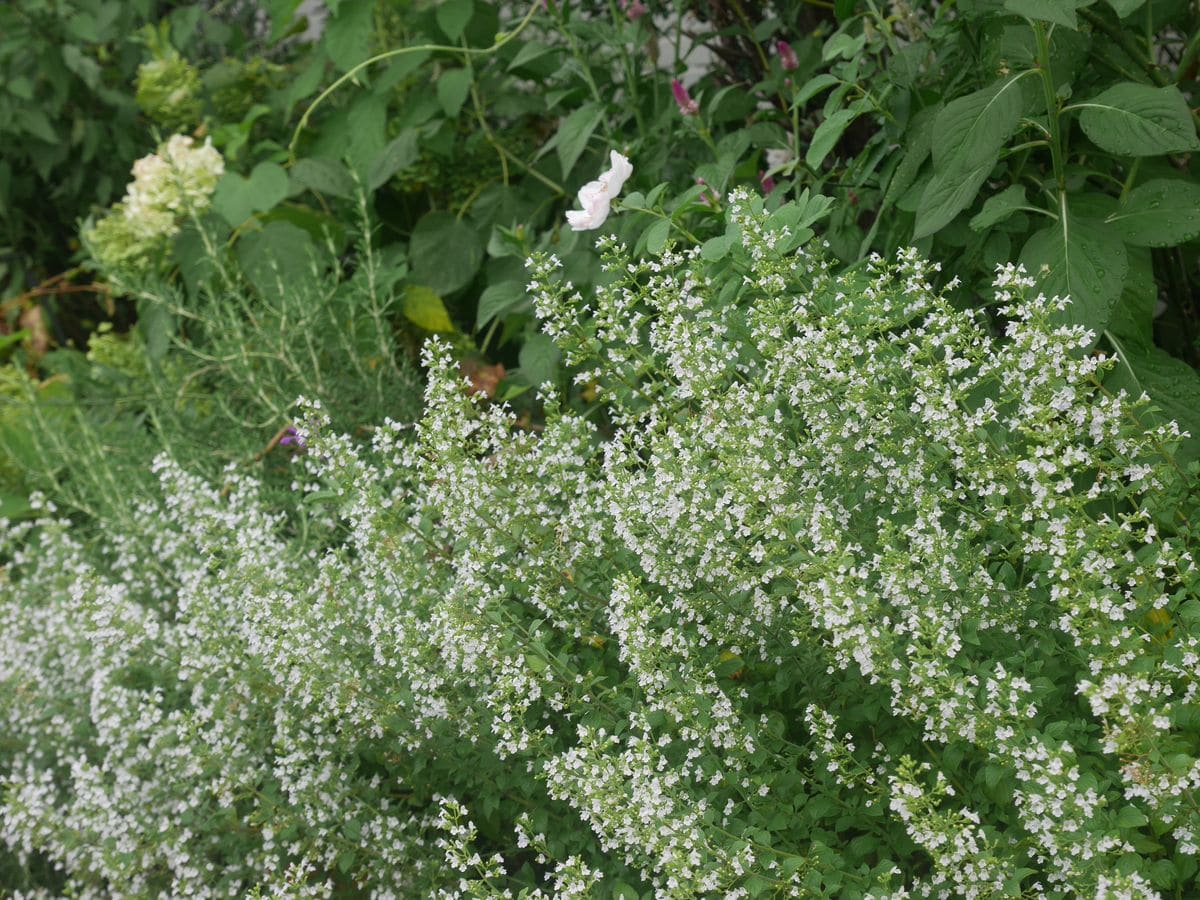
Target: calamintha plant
{"points": [[830, 592]]}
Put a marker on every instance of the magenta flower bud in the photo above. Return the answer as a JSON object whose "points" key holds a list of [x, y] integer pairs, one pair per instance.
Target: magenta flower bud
{"points": [[683, 99], [787, 56], [767, 182], [634, 10]]}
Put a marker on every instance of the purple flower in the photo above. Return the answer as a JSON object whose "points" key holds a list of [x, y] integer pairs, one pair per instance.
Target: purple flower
{"points": [[290, 437], [787, 56], [767, 182], [683, 99]]}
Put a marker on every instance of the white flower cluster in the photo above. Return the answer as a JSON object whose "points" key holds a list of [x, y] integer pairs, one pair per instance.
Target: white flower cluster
{"points": [[840, 593], [178, 178]]}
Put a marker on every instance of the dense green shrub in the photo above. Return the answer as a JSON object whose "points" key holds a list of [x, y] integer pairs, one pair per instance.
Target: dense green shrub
{"points": [[832, 591]]}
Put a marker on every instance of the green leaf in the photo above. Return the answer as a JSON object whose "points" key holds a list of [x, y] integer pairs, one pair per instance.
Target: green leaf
{"points": [[827, 135], [1138, 120], [322, 176], [424, 308], [453, 16], [539, 360], [348, 33], [1173, 386], [453, 86], [1082, 259], [276, 256], [999, 207], [236, 198], [498, 299], [970, 133], [573, 134], [1160, 213], [399, 154], [814, 86], [715, 249], [16, 506], [282, 12], [947, 194], [657, 234], [1131, 817], [444, 253], [1060, 12], [157, 326], [1124, 7]]}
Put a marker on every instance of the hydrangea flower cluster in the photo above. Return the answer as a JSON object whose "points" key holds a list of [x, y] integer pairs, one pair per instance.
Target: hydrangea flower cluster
{"points": [[176, 180], [840, 593]]}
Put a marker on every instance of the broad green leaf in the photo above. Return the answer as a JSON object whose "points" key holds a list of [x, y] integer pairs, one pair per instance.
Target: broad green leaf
{"points": [[973, 128], [444, 253], [1133, 315], [539, 359], [949, 193], [1172, 384], [498, 299], [657, 234], [814, 86], [275, 257], [999, 207], [1160, 213], [323, 176], [425, 308], [573, 134], [1060, 12], [827, 135], [715, 249], [1082, 259], [348, 33], [398, 155], [453, 16], [236, 198], [157, 327], [968, 135], [1124, 7], [1138, 120], [282, 12], [14, 506], [453, 86], [917, 146]]}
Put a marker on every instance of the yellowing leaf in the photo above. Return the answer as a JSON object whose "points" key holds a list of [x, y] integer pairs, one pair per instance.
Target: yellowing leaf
{"points": [[425, 309]]}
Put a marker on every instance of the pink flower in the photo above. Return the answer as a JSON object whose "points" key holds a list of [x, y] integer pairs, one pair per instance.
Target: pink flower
{"points": [[683, 99], [767, 182], [635, 10], [787, 56], [596, 196]]}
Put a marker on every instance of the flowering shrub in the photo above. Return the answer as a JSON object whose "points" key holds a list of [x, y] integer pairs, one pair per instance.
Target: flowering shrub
{"points": [[834, 593], [167, 185]]}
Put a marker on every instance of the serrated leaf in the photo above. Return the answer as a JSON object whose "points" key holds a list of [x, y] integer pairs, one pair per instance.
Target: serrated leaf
{"points": [[400, 153], [573, 134], [1082, 259], [828, 133], [1163, 212], [1138, 120], [1060, 12], [498, 299], [425, 308], [453, 86], [453, 16], [999, 207]]}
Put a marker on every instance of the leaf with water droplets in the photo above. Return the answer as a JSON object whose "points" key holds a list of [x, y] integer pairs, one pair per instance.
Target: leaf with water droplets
{"points": [[1160, 213]]}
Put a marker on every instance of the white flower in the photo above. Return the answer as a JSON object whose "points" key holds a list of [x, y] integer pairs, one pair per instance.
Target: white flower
{"points": [[596, 196]]}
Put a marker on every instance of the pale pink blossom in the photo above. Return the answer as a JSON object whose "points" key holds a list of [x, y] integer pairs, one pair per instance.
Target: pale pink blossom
{"points": [[596, 196]]}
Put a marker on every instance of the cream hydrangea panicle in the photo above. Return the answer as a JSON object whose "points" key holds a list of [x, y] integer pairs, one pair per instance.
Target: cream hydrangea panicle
{"points": [[596, 196]]}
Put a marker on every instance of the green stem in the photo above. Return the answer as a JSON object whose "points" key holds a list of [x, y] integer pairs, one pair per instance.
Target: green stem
{"points": [[1052, 111]]}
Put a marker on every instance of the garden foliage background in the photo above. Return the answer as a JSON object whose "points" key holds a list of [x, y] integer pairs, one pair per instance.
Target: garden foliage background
{"points": [[370, 530]]}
